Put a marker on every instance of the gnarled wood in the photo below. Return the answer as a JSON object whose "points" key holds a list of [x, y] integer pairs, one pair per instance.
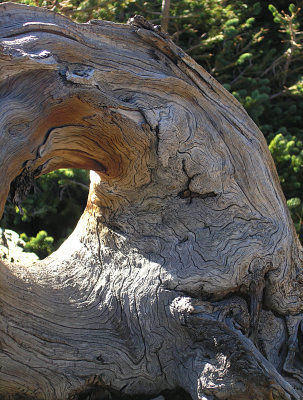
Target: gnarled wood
{"points": [[185, 269]]}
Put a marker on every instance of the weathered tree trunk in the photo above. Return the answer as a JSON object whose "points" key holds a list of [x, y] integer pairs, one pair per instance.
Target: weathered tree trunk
{"points": [[165, 15], [184, 270]]}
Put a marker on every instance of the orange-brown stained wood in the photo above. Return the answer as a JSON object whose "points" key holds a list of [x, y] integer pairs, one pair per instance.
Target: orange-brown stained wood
{"points": [[73, 134], [83, 137]]}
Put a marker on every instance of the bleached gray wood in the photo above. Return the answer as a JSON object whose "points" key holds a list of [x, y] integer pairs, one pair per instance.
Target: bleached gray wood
{"points": [[185, 269]]}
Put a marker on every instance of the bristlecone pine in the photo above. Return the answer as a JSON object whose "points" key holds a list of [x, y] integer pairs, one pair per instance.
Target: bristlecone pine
{"points": [[185, 270]]}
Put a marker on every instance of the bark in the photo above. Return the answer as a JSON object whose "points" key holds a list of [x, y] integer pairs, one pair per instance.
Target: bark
{"points": [[165, 15], [185, 270]]}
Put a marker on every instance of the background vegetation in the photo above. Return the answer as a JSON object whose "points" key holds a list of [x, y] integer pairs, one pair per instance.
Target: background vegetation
{"points": [[252, 47]]}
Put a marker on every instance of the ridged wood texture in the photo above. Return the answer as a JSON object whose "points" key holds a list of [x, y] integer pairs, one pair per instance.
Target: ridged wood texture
{"points": [[185, 269]]}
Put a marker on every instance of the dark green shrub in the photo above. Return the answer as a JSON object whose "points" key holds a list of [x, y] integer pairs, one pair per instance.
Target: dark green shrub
{"points": [[54, 205], [42, 244]]}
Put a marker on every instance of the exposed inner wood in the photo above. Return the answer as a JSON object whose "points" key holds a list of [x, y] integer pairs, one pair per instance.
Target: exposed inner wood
{"points": [[185, 270]]}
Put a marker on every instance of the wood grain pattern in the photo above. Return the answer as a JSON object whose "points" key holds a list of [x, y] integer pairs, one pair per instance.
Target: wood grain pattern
{"points": [[185, 269]]}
